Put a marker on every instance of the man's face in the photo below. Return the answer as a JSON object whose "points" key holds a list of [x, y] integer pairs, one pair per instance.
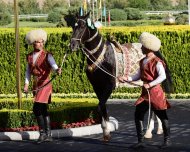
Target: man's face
{"points": [[38, 45], [144, 50]]}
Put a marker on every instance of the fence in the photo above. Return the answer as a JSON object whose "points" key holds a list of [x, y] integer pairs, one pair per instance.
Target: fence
{"points": [[165, 12], [29, 16]]}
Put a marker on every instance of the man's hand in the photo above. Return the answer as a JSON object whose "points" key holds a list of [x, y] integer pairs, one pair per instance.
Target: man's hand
{"points": [[147, 86], [26, 88], [122, 79], [59, 71]]}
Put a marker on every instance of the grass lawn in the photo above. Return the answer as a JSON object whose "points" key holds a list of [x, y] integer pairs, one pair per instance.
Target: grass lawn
{"points": [[113, 23], [31, 24]]}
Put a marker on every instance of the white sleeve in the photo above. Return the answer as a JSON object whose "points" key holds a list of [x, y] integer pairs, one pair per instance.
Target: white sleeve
{"points": [[27, 75], [52, 62], [136, 76], [161, 75]]}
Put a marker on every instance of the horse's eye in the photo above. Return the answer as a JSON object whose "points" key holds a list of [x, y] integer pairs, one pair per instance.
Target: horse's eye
{"points": [[76, 24]]}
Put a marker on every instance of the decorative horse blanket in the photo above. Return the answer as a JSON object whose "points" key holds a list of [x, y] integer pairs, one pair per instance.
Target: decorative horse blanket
{"points": [[127, 62]]}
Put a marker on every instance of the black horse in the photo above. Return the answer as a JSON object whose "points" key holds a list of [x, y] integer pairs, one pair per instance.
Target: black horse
{"points": [[101, 63], [101, 59]]}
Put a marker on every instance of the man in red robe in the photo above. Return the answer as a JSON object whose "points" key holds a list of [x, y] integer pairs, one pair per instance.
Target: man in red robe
{"points": [[152, 73], [40, 64]]}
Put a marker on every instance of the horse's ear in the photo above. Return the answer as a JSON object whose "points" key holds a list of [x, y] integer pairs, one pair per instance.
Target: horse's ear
{"points": [[77, 15], [87, 15]]}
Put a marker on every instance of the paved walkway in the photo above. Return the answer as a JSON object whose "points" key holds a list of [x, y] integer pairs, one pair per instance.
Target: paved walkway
{"points": [[122, 139]]}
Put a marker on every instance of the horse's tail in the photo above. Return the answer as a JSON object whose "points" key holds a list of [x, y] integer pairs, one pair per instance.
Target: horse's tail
{"points": [[168, 83]]}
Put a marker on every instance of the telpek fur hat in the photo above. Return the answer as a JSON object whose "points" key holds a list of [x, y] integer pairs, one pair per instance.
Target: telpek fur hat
{"points": [[150, 41], [36, 35]]}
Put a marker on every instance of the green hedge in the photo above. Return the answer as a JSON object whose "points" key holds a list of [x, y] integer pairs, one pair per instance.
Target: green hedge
{"points": [[175, 47], [61, 111]]}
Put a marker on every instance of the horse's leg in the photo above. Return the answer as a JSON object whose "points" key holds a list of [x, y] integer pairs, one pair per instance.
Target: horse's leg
{"points": [[160, 129], [103, 95], [150, 128]]}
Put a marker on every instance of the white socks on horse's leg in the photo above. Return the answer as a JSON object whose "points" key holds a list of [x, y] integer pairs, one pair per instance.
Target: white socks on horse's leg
{"points": [[148, 133], [149, 130], [160, 129]]}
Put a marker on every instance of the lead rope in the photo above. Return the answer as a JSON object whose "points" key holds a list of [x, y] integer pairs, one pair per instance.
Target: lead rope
{"points": [[149, 110]]}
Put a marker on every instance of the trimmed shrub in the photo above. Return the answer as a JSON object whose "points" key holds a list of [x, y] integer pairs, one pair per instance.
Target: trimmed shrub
{"points": [[62, 111], [54, 17], [134, 14], [118, 15], [73, 79]]}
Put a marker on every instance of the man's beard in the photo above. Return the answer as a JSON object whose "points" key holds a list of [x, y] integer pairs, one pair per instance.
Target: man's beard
{"points": [[38, 49]]}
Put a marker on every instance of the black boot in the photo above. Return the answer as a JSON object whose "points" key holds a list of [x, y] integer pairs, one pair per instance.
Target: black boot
{"points": [[166, 129], [41, 125], [48, 129], [140, 135]]}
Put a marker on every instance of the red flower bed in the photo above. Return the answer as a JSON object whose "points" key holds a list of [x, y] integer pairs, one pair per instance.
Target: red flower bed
{"points": [[54, 125]]}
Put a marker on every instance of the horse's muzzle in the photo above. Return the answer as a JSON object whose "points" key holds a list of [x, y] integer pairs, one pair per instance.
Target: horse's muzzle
{"points": [[74, 45]]}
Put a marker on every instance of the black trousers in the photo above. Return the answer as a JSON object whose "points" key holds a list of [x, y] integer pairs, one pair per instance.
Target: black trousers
{"points": [[40, 109], [143, 107]]}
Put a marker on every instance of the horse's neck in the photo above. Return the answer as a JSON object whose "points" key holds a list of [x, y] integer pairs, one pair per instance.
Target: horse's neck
{"points": [[95, 46]]}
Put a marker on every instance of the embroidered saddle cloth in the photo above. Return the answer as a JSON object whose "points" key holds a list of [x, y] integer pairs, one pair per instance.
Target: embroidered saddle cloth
{"points": [[127, 62]]}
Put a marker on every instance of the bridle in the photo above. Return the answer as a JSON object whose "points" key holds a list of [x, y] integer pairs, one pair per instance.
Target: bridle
{"points": [[80, 39]]}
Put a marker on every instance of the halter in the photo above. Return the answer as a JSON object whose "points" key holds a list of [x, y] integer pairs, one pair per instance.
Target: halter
{"points": [[88, 40]]}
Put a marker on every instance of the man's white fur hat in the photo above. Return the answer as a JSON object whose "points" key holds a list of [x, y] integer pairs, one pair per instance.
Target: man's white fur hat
{"points": [[150, 41], [36, 35]]}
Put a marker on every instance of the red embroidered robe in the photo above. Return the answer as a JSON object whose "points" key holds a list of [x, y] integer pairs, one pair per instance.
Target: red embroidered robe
{"points": [[40, 70], [157, 95]]}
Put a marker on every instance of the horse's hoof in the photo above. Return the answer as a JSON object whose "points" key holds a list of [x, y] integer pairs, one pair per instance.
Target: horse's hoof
{"points": [[148, 135], [107, 138], [160, 131]]}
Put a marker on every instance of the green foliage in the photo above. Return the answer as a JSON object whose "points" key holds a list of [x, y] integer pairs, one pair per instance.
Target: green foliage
{"points": [[175, 45], [54, 17], [154, 17], [4, 7], [134, 14], [70, 17], [28, 7], [182, 19], [160, 5], [140, 4], [75, 113], [118, 15], [133, 23], [60, 111], [5, 18], [111, 4]]}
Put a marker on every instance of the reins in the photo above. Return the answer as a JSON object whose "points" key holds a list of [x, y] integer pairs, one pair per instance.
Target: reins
{"points": [[134, 84], [96, 63]]}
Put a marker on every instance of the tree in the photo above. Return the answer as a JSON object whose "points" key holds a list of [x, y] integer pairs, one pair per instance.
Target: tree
{"points": [[160, 5], [49, 5], [140, 4], [5, 17], [121, 4], [118, 14], [28, 7]]}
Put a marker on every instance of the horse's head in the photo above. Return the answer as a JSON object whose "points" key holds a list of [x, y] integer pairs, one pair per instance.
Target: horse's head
{"points": [[81, 31]]}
